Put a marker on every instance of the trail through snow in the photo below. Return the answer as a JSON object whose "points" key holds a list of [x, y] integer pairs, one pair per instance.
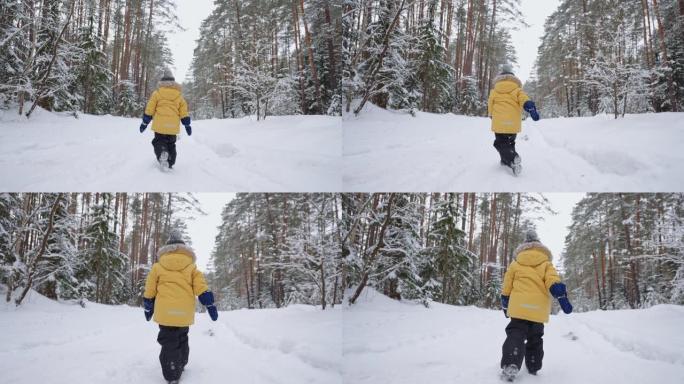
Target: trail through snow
{"points": [[390, 342], [392, 151], [48, 342], [56, 152]]}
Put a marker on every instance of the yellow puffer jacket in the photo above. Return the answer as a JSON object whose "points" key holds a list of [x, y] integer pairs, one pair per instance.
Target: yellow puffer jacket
{"points": [[505, 105], [527, 282], [167, 107], [174, 282]]}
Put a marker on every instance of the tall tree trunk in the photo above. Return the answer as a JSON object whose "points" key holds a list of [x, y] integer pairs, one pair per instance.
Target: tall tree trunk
{"points": [[370, 259], [672, 93], [31, 267]]}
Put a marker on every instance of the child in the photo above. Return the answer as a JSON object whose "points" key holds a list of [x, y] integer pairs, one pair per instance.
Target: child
{"points": [[168, 109], [169, 294], [528, 281], [506, 102]]}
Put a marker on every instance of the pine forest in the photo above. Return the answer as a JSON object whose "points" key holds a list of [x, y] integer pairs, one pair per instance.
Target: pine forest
{"points": [[107, 56], [443, 56], [622, 250]]}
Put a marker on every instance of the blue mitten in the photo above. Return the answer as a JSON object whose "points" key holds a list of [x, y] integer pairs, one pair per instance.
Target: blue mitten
{"points": [[145, 123], [207, 299], [559, 291], [565, 305], [186, 123], [213, 312], [149, 308], [504, 304], [531, 108]]}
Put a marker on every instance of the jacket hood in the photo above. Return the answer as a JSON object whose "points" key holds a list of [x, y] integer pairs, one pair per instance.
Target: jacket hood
{"points": [[506, 83], [169, 90], [169, 84], [175, 257], [169, 93], [532, 254]]}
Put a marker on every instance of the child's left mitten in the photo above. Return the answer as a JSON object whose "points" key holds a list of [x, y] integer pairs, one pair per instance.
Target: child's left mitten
{"points": [[504, 304], [149, 308], [146, 121]]}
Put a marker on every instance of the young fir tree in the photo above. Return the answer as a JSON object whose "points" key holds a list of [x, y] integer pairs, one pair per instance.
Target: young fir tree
{"points": [[454, 262], [434, 73], [107, 266], [127, 100], [93, 77]]}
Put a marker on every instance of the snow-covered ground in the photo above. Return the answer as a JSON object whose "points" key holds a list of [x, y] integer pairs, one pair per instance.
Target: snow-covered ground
{"points": [[392, 151], [55, 152], [391, 342], [48, 342]]}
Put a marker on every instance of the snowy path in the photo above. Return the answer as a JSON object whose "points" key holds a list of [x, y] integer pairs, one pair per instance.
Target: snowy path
{"points": [[53, 152], [392, 151], [47, 342], [395, 343]]}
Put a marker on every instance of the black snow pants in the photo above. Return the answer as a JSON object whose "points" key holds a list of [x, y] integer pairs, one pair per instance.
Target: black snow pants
{"points": [[523, 336], [166, 143], [174, 351], [505, 144]]}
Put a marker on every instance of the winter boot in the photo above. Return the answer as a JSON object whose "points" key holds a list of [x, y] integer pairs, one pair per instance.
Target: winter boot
{"points": [[516, 165], [164, 161], [509, 372]]}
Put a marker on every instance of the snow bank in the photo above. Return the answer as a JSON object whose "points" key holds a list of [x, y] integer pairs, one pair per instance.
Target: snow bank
{"points": [[48, 342], [387, 341], [392, 151], [55, 152]]}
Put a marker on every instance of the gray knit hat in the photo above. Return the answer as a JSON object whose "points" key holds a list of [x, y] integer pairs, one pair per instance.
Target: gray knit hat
{"points": [[531, 235], [507, 69], [168, 75], [175, 237]]}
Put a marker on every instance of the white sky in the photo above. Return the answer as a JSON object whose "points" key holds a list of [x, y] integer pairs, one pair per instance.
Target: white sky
{"points": [[553, 229], [203, 229], [527, 40], [191, 13]]}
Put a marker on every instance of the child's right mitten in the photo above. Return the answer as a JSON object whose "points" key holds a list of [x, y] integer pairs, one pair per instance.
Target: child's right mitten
{"points": [[186, 124], [531, 108], [559, 291], [207, 299], [565, 305]]}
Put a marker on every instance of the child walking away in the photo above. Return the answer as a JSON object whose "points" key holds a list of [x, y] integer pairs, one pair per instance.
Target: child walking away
{"points": [[529, 283], [506, 102], [170, 291], [168, 109]]}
